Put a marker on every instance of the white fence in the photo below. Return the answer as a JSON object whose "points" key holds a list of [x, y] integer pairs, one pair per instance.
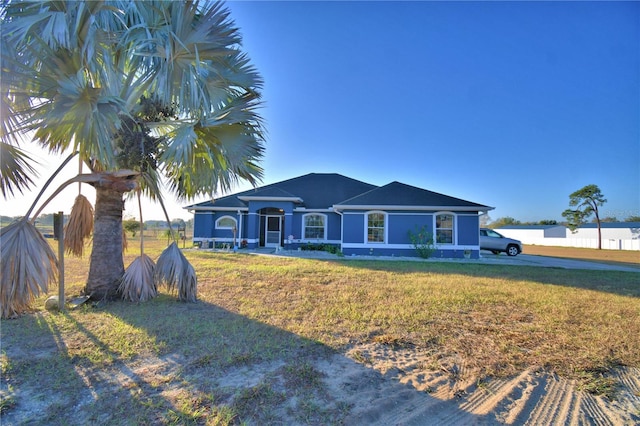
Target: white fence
{"points": [[607, 244]]}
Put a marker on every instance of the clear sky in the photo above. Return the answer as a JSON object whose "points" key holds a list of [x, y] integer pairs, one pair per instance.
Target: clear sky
{"points": [[509, 104]]}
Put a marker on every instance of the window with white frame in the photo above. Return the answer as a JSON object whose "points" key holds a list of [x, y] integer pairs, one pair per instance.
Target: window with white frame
{"points": [[226, 222], [314, 226], [375, 227], [444, 228]]}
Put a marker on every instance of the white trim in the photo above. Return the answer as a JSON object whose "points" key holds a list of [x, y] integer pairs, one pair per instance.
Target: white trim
{"points": [[408, 246], [415, 208], [386, 227], [454, 230], [258, 198], [326, 224], [313, 241], [226, 227], [305, 210], [202, 210], [424, 213]]}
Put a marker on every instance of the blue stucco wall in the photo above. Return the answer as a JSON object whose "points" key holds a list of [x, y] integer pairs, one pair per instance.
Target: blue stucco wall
{"points": [[334, 232], [468, 230], [203, 225], [205, 229], [398, 242], [353, 231], [352, 238], [401, 224]]}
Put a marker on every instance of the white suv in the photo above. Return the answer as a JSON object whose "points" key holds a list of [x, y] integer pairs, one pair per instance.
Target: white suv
{"points": [[496, 243]]}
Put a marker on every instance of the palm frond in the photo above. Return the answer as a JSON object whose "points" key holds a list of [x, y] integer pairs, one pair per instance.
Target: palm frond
{"points": [[222, 156], [16, 170], [28, 265], [137, 283], [79, 227], [175, 271]]}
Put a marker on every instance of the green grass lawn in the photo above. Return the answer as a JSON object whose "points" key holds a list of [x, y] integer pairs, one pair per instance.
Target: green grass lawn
{"points": [[499, 319]]}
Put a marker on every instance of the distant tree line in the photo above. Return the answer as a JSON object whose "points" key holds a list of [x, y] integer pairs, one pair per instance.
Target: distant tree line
{"points": [[506, 221], [584, 205], [130, 225]]}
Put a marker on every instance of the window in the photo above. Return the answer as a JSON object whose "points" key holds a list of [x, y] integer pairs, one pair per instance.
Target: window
{"points": [[225, 222], [444, 229], [375, 227], [314, 226]]}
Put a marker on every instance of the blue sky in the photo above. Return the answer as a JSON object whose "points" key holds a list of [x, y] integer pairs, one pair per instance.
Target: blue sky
{"points": [[509, 104]]}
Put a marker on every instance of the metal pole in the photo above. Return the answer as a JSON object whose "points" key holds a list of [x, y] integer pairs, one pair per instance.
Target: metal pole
{"points": [[58, 225]]}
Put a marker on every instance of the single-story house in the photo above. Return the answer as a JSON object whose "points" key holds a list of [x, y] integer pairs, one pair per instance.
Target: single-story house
{"points": [[328, 208]]}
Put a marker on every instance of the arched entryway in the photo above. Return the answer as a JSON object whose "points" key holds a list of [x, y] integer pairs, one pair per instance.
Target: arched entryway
{"points": [[271, 227]]}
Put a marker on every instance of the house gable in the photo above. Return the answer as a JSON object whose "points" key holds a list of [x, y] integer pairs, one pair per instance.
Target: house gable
{"points": [[400, 196], [314, 191]]}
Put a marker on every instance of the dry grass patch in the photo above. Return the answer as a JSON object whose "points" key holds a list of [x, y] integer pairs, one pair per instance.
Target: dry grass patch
{"points": [[245, 352], [500, 319], [620, 257]]}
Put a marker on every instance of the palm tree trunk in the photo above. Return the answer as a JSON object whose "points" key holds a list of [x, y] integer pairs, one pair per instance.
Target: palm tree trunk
{"points": [[107, 265]]}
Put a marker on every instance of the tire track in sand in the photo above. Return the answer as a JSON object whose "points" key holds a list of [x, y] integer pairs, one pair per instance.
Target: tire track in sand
{"points": [[409, 394]]}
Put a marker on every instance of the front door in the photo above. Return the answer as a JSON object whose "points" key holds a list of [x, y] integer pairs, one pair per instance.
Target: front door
{"points": [[272, 231]]}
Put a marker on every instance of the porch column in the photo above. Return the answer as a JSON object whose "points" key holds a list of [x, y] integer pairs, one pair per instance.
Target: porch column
{"points": [[240, 237], [288, 225], [253, 229]]}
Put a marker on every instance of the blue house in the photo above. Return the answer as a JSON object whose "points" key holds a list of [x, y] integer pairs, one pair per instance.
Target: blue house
{"points": [[328, 208]]}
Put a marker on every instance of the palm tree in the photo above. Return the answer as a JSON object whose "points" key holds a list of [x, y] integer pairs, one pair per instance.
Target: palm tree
{"points": [[150, 94]]}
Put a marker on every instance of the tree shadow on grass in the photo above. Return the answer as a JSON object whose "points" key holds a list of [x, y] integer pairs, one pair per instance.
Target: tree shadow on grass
{"points": [[201, 364]]}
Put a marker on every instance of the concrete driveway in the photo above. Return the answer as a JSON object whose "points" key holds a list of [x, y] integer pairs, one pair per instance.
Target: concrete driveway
{"points": [[553, 262], [486, 257]]}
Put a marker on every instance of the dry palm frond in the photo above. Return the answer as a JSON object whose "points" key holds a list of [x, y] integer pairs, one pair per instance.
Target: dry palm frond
{"points": [[137, 282], [174, 270], [28, 265], [79, 227]]}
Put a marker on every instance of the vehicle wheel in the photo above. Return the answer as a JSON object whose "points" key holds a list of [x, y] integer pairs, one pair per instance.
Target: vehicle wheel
{"points": [[512, 250], [495, 251]]}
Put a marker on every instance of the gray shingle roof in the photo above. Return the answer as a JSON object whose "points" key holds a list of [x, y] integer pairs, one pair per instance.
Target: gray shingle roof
{"points": [[325, 190], [317, 191], [400, 194], [269, 192]]}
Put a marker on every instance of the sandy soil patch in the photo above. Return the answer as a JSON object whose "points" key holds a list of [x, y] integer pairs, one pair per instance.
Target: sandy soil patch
{"points": [[371, 384]]}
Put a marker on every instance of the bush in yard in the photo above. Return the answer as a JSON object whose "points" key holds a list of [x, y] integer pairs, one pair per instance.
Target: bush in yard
{"points": [[422, 241]]}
